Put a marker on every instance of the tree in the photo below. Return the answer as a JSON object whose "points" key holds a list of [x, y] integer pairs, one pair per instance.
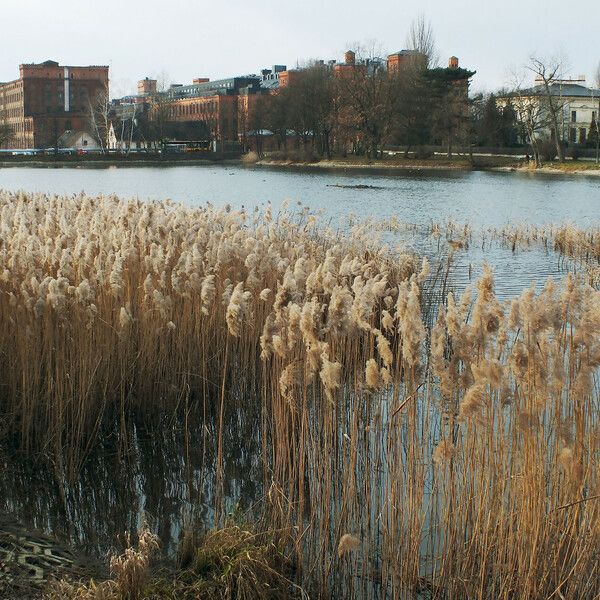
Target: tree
{"points": [[99, 115], [451, 114], [310, 107], [6, 134], [412, 107], [531, 117], [421, 39], [365, 99], [548, 71], [597, 123], [495, 125]]}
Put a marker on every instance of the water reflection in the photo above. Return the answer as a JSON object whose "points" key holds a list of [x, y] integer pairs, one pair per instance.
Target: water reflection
{"points": [[159, 474]]}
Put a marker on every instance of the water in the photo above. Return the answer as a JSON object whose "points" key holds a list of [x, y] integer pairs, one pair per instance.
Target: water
{"points": [[165, 480], [483, 199]]}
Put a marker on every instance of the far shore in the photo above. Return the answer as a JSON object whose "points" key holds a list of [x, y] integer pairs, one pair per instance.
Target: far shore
{"points": [[387, 165], [554, 169], [457, 163]]}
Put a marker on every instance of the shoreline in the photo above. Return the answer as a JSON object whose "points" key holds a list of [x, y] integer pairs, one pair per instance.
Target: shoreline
{"points": [[383, 167], [548, 171], [371, 167], [110, 163]]}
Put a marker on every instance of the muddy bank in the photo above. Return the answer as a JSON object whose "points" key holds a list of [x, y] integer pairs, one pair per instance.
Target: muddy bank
{"points": [[554, 170]]}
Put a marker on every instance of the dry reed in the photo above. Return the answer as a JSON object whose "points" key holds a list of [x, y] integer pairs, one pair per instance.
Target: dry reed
{"points": [[464, 457]]}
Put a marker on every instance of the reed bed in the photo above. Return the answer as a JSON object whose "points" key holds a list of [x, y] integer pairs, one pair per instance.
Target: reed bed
{"points": [[451, 459]]}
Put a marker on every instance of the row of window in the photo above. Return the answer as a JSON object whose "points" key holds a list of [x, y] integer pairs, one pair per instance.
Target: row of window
{"points": [[182, 110], [12, 97], [13, 113], [574, 116]]}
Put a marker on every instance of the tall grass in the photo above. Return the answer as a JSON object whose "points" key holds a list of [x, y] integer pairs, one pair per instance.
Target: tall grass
{"points": [[458, 459]]}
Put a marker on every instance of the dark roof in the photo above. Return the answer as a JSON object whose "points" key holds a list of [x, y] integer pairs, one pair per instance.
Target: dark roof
{"points": [[406, 52], [211, 88], [269, 84], [573, 90]]}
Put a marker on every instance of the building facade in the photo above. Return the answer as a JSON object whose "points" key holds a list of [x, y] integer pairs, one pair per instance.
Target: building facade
{"points": [[578, 108], [48, 99], [223, 106], [231, 110]]}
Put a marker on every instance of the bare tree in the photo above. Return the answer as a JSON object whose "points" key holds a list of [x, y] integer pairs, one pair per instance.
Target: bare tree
{"points": [[547, 72], [99, 115], [598, 115], [6, 134], [531, 120], [422, 39]]}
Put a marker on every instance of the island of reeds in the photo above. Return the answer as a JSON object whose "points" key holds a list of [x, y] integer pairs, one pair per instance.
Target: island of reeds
{"points": [[407, 448]]}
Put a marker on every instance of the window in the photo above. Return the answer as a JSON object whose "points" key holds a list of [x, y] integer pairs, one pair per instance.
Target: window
{"points": [[582, 137], [593, 115], [573, 116], [573, 135]]}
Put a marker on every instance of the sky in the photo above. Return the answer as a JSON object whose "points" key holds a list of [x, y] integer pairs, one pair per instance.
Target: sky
{"points": [[178, 40]]}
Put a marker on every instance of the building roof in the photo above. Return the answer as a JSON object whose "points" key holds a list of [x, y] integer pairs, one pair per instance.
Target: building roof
{"points": [[69, 138], [53, 63], [405, 52], [572, 90], [210, 88], [269, 84]]}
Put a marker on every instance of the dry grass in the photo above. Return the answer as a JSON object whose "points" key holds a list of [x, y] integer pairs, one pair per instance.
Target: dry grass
{"points": [[235, 563], [459, 459], [130, 571], [232, 563]]}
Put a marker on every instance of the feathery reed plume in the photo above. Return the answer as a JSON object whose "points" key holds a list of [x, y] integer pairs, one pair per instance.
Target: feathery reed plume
{"points": [[114, 312], [348, 543]]}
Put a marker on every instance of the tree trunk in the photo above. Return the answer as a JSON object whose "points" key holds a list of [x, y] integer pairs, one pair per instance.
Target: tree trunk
{"points": [[554, 122]]}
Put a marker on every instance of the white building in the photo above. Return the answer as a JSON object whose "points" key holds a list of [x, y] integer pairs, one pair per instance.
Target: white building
{"points": [[81, 140], [578, 106]]}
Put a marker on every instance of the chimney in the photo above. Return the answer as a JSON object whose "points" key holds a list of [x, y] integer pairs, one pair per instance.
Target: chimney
{"points": [[453, 63], [147, 86], [350, 57]]}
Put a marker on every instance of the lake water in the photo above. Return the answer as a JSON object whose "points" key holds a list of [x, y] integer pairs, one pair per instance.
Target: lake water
{"points": [[483, 199]]}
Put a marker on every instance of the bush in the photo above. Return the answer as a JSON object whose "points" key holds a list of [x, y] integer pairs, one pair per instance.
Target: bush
{"points": [[294, 155], [423, 153], [250, 158], [233, 563], [547, 149]]}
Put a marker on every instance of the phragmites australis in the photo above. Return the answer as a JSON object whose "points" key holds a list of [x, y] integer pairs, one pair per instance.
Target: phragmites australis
{"points": [[116, 311], [348, 543]]}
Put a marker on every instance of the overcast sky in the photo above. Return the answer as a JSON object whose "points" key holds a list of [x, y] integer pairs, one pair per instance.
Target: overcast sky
{"points": [[182, 39]]}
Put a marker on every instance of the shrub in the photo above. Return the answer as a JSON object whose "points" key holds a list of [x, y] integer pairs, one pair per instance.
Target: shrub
{"points": [[547, 149], [250, 158]]}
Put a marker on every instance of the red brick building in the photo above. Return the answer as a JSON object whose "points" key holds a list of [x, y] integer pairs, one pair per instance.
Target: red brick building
{"points": [[48, 99], [406, 59], [218, 112]]}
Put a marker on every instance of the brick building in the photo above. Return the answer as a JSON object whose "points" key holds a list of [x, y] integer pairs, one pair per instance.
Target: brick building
{"points": [[225, 106], [48, 99], [214, 103], [406, 59]]}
